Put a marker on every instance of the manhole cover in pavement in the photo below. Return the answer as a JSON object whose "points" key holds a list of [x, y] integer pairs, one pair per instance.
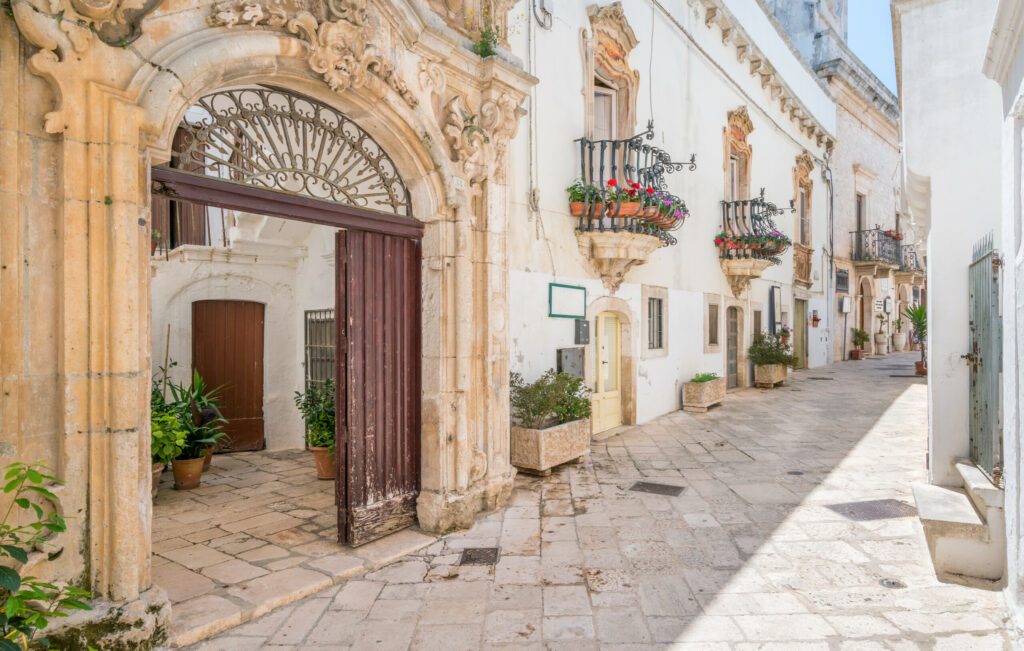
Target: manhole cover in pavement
{"points": [[874, 510], [892, 583], [795, 472], [657, 489], [479, 556], [815, 377]]}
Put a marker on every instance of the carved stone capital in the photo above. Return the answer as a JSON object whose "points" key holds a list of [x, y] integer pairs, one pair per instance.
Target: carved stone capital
{"points": [[614, 253], [740, 271]]}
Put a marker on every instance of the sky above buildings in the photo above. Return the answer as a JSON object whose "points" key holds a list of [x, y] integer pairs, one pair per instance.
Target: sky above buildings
{"points": [[870, 38]]}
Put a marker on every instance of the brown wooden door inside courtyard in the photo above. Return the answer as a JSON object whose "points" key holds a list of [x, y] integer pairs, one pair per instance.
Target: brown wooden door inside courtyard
{"points": [[227, 351], [378, 402]]}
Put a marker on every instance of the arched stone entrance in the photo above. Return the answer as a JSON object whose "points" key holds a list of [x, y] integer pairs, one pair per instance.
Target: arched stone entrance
{"points": [[114, 113]]}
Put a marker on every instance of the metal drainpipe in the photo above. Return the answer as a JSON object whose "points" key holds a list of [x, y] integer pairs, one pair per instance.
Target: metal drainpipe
{"points": [[826, 176]]}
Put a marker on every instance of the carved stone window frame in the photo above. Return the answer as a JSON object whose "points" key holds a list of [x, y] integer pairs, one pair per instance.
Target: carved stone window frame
{"points": [[606, 48], [735, 144], [802, 181], [716, 300]]}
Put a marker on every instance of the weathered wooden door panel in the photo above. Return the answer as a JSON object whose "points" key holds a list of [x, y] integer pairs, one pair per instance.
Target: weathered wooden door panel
{"points": [[378, 456], [985, 359], [732, 346], [227, 351], [606, 401], [800, 334]]}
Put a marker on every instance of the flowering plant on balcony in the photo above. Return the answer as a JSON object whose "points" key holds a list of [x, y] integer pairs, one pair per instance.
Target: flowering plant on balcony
{"points": [[580, 194], [732, 245]]}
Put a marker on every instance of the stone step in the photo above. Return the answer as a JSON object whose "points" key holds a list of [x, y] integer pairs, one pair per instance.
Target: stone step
{"points": [[983, 493], [962, 545]]}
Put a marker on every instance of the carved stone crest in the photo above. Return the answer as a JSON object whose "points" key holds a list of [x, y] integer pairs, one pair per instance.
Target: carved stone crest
{"points": [[339, 37]]}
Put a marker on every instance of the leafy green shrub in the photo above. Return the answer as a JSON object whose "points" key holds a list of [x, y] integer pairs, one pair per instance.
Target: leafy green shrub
{"points": [[918, 317], [769, 349], [555, 398], [707, 376], [860, 337], [317, 408], [27, 604], [487, 44], [169, 436]]}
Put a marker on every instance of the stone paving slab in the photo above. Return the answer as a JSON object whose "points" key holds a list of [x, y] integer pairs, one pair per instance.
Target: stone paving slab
{"points": [[749, 556], [231, 551]]}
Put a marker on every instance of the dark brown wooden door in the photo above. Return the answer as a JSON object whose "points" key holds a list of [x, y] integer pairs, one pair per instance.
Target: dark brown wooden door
{"points": [[732, 345], [378, 348], [227, 350]]}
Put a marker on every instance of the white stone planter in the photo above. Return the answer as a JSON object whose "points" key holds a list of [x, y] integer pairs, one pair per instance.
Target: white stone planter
{"points": [[698, 396], [540, 450], [767, 376], [881, 343], [899, 342]]}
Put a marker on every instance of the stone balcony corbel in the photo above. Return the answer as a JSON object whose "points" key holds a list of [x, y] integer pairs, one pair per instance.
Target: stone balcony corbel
{"points": [[740, 271], [613, 253]]}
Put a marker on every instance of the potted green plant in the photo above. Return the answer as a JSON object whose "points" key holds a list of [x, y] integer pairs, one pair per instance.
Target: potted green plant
{"points": [[899, 338], [771, 359], [196, 407], [703, 391], [154, 241], [580, 194], [860, 339], [317, 408], [550, 421], [881, 338], [169, 438], [784, 333], [918, 317]]}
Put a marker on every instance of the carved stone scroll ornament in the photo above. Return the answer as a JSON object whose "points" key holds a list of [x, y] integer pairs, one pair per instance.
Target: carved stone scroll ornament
{"points": [[339, 37], [477, 140]]}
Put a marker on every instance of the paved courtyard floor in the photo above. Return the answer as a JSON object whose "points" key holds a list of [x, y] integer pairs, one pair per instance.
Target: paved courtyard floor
{"points": [[753, 554]]}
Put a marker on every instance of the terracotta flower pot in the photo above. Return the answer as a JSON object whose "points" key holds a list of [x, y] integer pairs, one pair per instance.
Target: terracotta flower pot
{"points": [[324, 463], [921, 368], [575, 208], [856, 354], [187, 473], [207, 459], [627, 209], [158, 469], [785, 340]]}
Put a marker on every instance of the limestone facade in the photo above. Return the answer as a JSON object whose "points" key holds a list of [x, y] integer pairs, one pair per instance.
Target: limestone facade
{"points": [[100, 91]]}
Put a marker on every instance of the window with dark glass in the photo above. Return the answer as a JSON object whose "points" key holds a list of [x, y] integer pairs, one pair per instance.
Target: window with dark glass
{"points": [[655, 323]]}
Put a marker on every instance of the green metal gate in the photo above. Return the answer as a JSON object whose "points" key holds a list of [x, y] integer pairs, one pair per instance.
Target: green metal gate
{"points": [[985, 360]]}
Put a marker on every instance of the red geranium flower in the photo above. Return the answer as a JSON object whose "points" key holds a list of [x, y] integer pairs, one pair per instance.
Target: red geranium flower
{"points": [[631, 192], [635, 184], [612, 182], [650, 190]]}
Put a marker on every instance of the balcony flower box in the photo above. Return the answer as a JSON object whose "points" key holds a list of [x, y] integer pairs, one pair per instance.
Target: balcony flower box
{"points": [[699, 396], [768, 376], [540, 450]]}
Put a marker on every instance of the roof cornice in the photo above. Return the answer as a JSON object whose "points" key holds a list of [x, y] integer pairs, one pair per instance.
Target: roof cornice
{"points": [[1007, 29]]}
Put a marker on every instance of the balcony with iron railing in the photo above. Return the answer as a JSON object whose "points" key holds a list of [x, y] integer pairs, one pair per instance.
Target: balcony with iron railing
{"points": [[621, 203], [749, 241], [875, 246]]}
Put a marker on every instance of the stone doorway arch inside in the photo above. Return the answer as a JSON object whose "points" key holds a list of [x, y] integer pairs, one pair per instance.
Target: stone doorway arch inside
{"points": [[264, 151], [617, 313]]}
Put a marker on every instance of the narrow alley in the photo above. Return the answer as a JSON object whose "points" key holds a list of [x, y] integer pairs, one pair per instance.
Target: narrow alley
{"points": [[794, 529]]}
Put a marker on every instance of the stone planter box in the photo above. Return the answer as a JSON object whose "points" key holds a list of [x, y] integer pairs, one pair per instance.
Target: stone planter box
{"points": [[767, 376], [540, 450], [699, 396], [881, 344]]}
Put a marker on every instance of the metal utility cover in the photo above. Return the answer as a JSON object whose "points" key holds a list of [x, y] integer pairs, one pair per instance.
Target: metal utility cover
{"points": [[657, 489], [874, 510], [479, 556]]}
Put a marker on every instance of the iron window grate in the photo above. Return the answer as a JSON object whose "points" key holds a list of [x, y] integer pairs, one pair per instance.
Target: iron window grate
{"points": [[479, 556]]}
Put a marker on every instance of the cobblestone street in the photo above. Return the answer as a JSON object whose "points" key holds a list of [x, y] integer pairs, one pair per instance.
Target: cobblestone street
{"points": [[755, 553]]}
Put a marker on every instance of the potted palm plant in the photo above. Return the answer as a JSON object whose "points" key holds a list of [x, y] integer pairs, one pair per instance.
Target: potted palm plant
{"points": [[317, 408], [771, 358], [196, 407], [550, 421], [899, 338], [918, 317], [703, 391], [860, 339]]}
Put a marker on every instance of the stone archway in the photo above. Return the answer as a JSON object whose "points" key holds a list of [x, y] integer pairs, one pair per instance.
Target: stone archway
{"points": [[627, 352], [115, 112]]}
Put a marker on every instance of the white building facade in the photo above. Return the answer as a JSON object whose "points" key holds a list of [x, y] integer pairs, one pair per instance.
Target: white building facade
{"points": [[728, 90]]}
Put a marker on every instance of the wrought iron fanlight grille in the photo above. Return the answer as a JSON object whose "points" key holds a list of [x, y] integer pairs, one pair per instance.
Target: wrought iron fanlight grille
{"points": [[281, 141]]}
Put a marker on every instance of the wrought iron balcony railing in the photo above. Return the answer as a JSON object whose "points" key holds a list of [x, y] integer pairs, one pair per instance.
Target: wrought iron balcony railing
{"points": [[910, 259], [622, 187], [749, 231], [876, 245]]}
